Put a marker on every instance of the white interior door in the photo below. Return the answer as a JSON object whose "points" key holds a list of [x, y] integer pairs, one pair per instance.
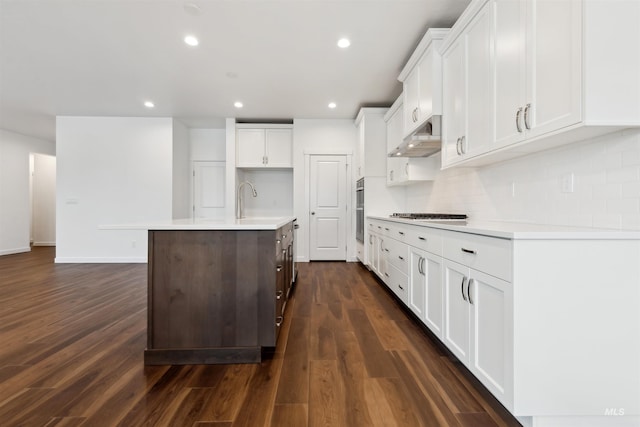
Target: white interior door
{"points": [[328, 208], [208, 189]]}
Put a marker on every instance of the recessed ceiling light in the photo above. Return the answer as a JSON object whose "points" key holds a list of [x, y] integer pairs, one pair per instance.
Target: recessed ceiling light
{"points": [[149, 104], [344, 43], [191, 41], [332, 105], [238, 104], [411, 146], [398, 153]]}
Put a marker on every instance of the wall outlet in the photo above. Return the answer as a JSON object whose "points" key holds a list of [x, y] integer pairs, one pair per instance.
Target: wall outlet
{"points": [[567, 183]]}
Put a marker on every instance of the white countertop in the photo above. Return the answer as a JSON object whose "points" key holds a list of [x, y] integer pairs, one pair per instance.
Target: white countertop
{"points": [[522, 231], [266, 223]]}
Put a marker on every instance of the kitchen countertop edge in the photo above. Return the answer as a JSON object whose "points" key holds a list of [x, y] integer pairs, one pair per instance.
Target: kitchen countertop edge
{"points": [[263, 223], [522, 231]]}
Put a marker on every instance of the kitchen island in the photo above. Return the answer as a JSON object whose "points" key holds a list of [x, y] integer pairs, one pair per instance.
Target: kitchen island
{"points": [[217, 289]]}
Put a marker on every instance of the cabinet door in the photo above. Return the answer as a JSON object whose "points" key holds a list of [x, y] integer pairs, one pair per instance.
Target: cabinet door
{"points": [[553, 64], [510, 71], [250, 148], [434, 308], [491, 301], [417, 283], [410, 90], [457, 310], [479, 137], [279, 144], [453, 101], [429, 67], [382, 260]]}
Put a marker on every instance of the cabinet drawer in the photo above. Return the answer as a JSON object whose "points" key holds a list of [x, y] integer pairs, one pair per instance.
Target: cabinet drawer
{"points": [[397, 254], [427, 239], [487, 254], [398, 283], [396, 231]]}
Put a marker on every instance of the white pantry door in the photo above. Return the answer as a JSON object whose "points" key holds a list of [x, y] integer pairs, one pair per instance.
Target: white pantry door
{"points": [[208, 189], [328, 207]]}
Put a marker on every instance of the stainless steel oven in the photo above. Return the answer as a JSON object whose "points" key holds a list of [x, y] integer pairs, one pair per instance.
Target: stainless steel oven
{"points": [[360, 210]]}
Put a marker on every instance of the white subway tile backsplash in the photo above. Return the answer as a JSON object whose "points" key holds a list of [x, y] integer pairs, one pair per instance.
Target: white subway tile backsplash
{"points": [[606, 190]]}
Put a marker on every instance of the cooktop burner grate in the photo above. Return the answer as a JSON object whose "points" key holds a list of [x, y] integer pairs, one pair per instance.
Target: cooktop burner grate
{"points": [[436, 216]]}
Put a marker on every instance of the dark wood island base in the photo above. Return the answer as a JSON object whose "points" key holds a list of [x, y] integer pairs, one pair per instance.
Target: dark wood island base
{"points": [[216, 296]]}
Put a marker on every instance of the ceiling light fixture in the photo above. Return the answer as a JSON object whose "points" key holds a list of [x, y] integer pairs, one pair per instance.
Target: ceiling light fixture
{"points": [[344, 43], [399, 153], [191, 41], [332, 105], [238, 104], [149, 104]]}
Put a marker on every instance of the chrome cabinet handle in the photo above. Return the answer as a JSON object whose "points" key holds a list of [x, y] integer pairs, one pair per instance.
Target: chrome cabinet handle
{"points": [[386, 274], [462, 149], [386, 229], [526, 116], [421, 266], [277, 241], [386, 250], [401, 233], [402, 259], [380, 227], [313, 213], [518, 113], [458, 146], [278, 268], [284, 236], [370, 237], [401, 287], [469, 251], [391, 176], [266, 160], [469, 290], [279, 320], [279, 294], [422, 238], [464, 280]]}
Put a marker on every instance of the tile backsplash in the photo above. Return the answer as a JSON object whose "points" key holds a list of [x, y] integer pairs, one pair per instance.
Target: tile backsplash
{"points": [[593, 183]]}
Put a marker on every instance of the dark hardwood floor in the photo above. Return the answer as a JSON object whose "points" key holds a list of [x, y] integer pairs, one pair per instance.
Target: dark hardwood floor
{"points": [[71, 353]]}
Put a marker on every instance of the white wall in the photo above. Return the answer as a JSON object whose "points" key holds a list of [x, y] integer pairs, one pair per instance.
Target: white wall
{"points": [[606, 186], [208, 144], [15, 214], [275, 192], [320, 136], [44, 200], [111, 170], [181, 190]]}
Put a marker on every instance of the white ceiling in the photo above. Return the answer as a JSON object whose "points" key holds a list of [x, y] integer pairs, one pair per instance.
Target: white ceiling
{"points": [[106, 57]]}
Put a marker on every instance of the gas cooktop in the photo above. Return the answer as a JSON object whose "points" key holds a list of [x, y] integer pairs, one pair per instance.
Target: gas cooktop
{"points": [[430, 216]]}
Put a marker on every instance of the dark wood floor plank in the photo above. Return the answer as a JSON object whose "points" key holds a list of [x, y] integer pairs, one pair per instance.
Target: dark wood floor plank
{"points": [[73, 337], [290, 415], [326, 395], [294, 378]]}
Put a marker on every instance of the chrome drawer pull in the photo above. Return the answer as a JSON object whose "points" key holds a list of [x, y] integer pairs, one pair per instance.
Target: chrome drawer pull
{"points": [[279, 268], [279, 294], [469, 291], [386, 274], [401, 233], [386, 229], [469, 251], [424, 239], [400, 257], [279, 320], [464, 280]]}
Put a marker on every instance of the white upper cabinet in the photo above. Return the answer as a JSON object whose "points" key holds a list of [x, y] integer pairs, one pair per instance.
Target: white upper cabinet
{"points": [[538, 48], [371, 153], [468, 85], [548, 71], [422, 82], [268, 147]]}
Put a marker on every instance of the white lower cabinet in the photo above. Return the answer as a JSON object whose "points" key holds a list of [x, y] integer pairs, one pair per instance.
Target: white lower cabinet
{"points": [[548, 322], [425, 297], [478, 326]]}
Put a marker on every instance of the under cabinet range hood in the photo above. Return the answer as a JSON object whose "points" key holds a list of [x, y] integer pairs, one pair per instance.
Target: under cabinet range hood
{"points": [[424, 142]]}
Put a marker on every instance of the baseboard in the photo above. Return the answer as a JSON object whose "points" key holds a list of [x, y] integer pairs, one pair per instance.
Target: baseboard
{"points": [[100, 260], [44, 243], [15, 251]]}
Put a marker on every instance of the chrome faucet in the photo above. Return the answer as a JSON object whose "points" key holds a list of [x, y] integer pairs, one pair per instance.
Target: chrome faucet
{"points": [[240, 199]]}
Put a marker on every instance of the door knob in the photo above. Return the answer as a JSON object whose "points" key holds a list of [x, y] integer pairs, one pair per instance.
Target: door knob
{"points": [[313, 213]]}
